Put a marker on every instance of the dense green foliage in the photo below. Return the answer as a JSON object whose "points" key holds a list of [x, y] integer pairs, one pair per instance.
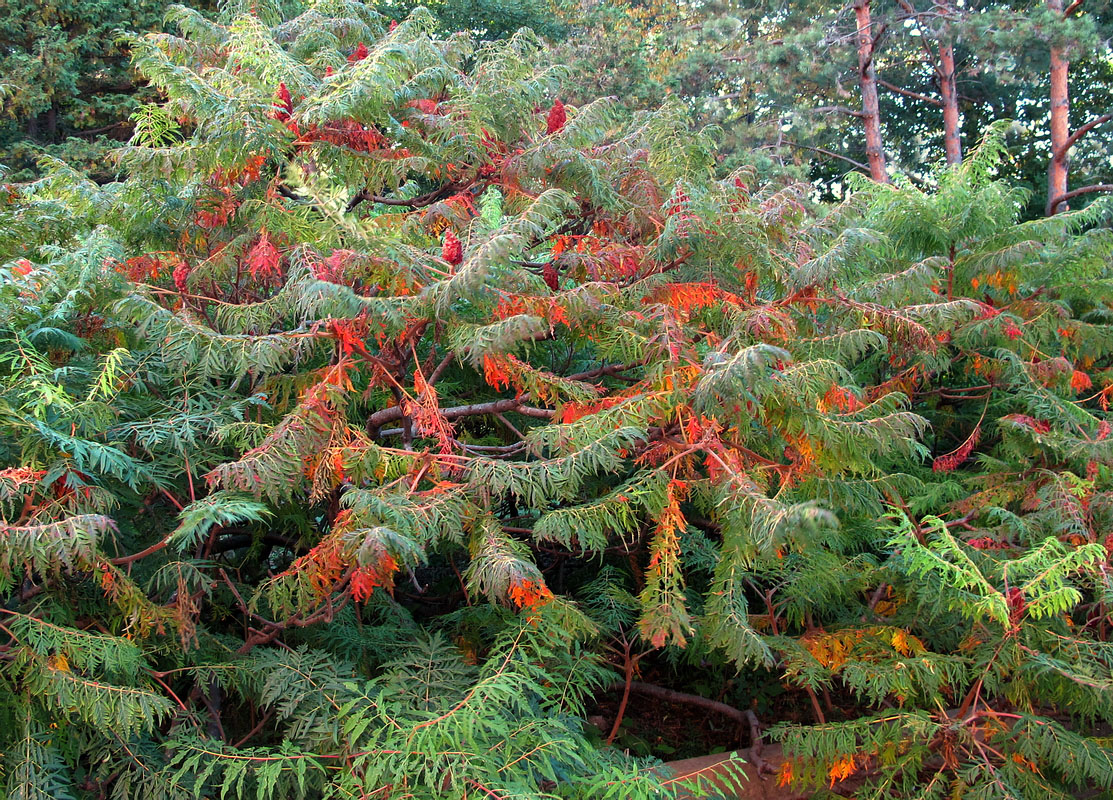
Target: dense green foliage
{"points": [[65, 85], [347, 437]]}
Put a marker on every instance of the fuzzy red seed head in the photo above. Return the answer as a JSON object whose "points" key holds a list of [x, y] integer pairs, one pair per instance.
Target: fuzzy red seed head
{"points": [[1017, 603], [359, 54], [557, 117], [284, 103], [549, 274], [181, 273], [452, 250]]}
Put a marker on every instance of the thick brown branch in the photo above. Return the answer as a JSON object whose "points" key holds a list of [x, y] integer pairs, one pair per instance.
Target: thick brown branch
{"points": [[1055, 202], [1080, 132], [672, 696], [380, 418], [822, 151], [610, 369], [421, 201]]}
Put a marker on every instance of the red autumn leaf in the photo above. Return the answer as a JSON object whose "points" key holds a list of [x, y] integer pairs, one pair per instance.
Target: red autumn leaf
{"points": [[528, 594], [365, 579], [349, 339], [262, 260], [495, 373], [953, 460], [1080, 381]]}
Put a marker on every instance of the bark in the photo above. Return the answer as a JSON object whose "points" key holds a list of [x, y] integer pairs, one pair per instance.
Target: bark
{"points": [[1059, 163], [52, 122], [1097, 187], [867, 81], [952, 133]]}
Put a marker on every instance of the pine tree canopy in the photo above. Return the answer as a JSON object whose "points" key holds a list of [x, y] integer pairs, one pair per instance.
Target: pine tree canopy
{"points": [[384, 397]]}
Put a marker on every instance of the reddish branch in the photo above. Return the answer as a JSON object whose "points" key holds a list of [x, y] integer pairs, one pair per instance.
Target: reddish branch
{"points": [[1097, 187], [952, 134], [1082, 131]]}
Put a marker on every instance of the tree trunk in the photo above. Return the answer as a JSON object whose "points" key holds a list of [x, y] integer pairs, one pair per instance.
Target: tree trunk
{"points": [[1060, 124], [52, 122], [952, 133], [867, 80]]}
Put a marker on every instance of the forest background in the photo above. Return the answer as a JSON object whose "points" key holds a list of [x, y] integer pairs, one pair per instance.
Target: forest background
{"points": [[779, 78]]}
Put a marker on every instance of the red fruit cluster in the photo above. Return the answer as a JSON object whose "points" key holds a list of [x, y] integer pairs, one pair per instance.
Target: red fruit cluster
{"points": [[284, 103], [557, 117], [550, 276], [452, 250], [359, 54], [181, 273]]}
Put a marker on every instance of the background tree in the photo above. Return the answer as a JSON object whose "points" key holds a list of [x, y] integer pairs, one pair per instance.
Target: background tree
{"points": [[66, 83], [783, 81]]}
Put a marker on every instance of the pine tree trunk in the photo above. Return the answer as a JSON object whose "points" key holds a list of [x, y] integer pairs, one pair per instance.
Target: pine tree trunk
{"points": [[952, 133], [1060, 123], [867, 80]]}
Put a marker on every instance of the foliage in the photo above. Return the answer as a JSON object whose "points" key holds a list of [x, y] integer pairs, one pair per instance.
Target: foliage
{"points": [[384, 396]]}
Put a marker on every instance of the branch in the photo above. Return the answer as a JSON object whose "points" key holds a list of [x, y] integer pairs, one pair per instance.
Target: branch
{"points": [[824, 152], [380, 418], [1071, 8], [671, 696], [611, 369], [1078, 134], [1054, 203], [850, 112], [892, 87], [417, 202]]}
